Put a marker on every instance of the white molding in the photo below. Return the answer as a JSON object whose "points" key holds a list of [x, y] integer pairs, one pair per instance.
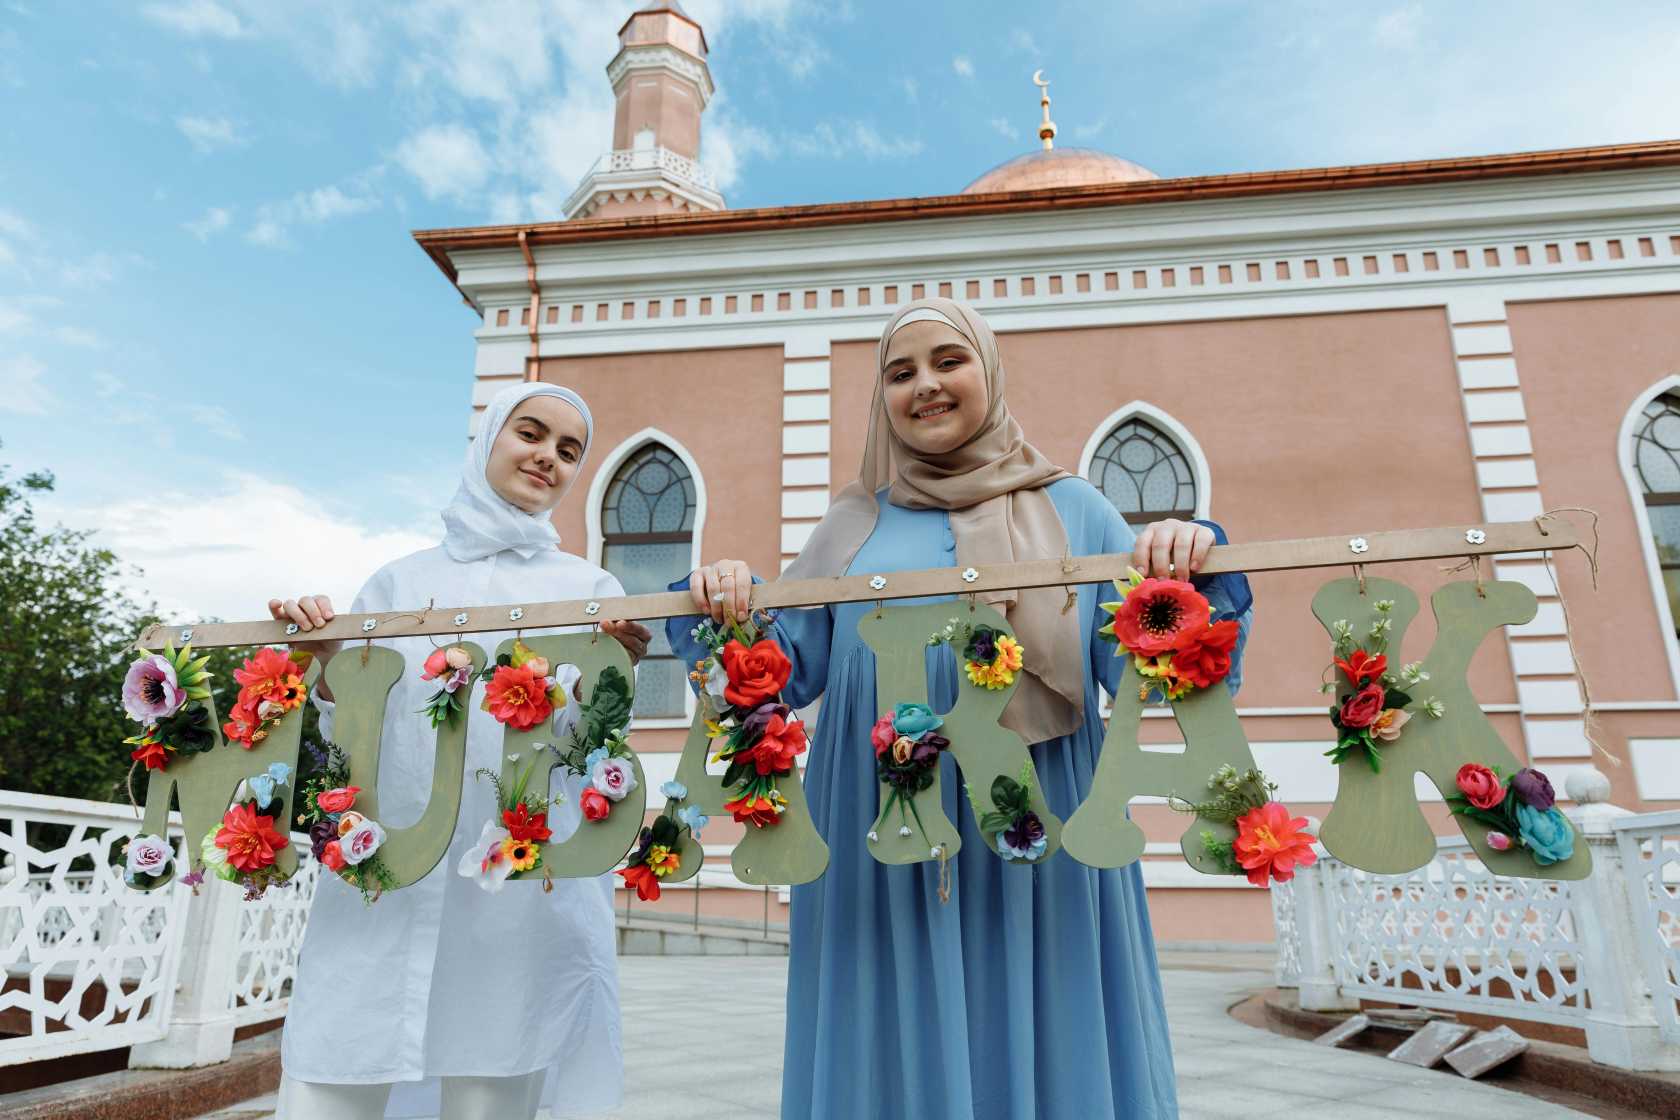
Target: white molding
{"points": [[1647, 543], [592, 520], [659, 56], [1168, 423]]}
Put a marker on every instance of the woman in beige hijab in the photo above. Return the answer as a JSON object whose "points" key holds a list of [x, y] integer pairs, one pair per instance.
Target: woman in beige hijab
{"points": [[1033, 994]]}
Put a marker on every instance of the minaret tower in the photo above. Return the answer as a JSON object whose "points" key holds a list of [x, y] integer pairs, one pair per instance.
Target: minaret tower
{"points": [[662, 84]]}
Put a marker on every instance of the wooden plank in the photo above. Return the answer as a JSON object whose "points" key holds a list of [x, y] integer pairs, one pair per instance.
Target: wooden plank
{"points": [[1393, 546]]}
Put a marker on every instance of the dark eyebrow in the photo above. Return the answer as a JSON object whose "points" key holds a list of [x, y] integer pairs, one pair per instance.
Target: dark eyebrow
{"points": [[533, 420], [945, 346]]}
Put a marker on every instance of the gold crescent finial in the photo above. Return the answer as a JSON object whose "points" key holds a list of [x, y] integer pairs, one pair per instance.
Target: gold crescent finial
{"points": [[1046, 128]]}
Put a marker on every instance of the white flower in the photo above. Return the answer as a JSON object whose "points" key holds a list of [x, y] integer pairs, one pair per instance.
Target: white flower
{"points": [[484, 861], [362, 841], [148, 855], [717, 679], [614, 777], [674, 790]]}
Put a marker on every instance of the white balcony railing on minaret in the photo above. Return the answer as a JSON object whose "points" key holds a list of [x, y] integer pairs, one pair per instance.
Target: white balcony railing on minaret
{"points": [[631, 169]]}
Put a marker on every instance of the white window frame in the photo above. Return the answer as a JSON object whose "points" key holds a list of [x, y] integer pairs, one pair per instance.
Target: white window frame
{"points": [[1647, 540], [1163, 420], [604, 475]]}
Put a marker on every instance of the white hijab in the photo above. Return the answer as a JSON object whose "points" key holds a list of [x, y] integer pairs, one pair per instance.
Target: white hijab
{"points": [[479, 522]]}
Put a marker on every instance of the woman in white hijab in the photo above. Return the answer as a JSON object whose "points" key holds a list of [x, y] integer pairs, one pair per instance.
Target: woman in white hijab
{"points": [[442, 997]]}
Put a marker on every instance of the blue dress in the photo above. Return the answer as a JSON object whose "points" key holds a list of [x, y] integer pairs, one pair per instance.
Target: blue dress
{"points": [[1033, 994]]}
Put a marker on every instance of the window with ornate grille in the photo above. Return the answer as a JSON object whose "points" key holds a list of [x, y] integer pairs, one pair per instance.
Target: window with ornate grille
{"points": [[647, 541], [1656, 460], [1144, 472]]}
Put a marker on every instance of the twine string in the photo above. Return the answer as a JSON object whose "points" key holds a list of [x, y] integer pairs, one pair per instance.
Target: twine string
{"points": [[1589, 713]]}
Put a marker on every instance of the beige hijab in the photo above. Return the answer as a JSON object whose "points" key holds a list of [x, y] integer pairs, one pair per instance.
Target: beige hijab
{"points": [[993, 486]]}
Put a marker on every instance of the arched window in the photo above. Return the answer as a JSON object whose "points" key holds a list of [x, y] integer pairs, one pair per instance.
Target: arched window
{"points": [[647, 541], [1656, 465], [1144, 472]]}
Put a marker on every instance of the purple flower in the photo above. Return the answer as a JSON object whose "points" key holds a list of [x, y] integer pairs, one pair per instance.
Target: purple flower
{"points": [[1024, 839], [983, 647], [321, 833], [1533, 789], [151, 691], [927, 751], [755, 723], [456, 679]]}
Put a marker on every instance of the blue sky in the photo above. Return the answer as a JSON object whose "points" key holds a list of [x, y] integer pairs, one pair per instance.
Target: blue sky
{"points": [[213, 318]]}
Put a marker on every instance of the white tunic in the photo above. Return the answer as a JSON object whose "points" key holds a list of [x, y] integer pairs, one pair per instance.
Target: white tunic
{"points": [[441, 978]]}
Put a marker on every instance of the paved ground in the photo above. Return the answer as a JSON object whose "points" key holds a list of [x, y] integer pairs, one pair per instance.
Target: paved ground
{"points": [[1225, 1068]]}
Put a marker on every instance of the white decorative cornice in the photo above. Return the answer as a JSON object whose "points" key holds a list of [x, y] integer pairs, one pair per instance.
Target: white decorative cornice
{"points": [[662, 57], [623, 173]]}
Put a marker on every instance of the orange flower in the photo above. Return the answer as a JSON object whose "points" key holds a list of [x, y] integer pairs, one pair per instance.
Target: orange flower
{"points": [[754, 810], [756, 674], [517, 697], [270, 675], [248, 838], [1361, 667], [241, 726], [642, 877], [1270, 844]]}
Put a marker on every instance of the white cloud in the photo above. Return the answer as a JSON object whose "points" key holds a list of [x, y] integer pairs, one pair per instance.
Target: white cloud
{"points": [[206, 134], [94, 271], [215, 419], [12, 318], [214, 221], [446, 160], [1004, 128], [1022, 40], [963, 66], [268, 233], [77, 336], [107, 384], [910, 88], [214, 565], [272, 226], [1400, 27], [22, 389], [195, 17], [726, 143], [847, 138]]}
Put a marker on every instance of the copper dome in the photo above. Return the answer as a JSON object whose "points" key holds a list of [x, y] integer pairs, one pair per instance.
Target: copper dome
{"points": [[1058, 167]]}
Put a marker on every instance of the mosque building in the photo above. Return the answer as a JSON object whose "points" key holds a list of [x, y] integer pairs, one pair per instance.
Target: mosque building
{"points": [[1298, 353]]}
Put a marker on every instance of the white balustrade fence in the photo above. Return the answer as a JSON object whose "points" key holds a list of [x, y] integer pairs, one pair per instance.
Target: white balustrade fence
{"points": [[91, 964], [1602, 954]]}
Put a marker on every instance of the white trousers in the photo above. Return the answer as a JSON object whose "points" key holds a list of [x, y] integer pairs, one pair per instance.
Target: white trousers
{"points": [[464, 1098]]}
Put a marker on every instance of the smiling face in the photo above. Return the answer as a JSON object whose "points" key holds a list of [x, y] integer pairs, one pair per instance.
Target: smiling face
{"points": [[933, 386], [536, 454]]}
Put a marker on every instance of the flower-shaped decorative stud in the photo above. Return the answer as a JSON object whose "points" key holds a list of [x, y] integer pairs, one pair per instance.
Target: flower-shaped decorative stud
{"points": [[873, 836], [592, 608], [186, 634], [461, 619], [1358, 545], [877, 582], [516, 614], [904, 830], [970, 575], [1475, 536], [291, 628], [368, 625]]}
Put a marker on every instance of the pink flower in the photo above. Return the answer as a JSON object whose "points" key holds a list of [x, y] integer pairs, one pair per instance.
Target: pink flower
{"points": [[456, 679], [883, 734], [457, 657], [614, 777], [347, 822], [362, 841], [1498, 841], [537, 665], [436, 665], [151, 691], [337, 800]]}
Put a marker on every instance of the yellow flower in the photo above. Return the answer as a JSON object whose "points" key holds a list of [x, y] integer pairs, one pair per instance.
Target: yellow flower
{"points": [[663, 860], [520, 854], [1009, 654]]}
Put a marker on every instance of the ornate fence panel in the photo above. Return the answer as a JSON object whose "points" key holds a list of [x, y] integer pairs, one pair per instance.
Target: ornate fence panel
{"points": [[1286, 921], [270, 934], [1650, 847], [89, 963]]}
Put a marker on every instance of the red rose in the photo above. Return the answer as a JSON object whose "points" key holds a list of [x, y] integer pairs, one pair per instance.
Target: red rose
{"points": [[337, 800], [756, 674], [596, 805], [1361, 709], [1361, 667], [1480, 786], [522, 824], [641, 877], [1206, 659], [783, 740], [332, 856]]}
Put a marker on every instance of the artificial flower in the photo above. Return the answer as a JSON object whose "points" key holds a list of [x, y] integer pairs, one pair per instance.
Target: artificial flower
{"points": [[332, 856], [213, 856], [758, 810], [270, 674], [437, 664], [1205, 658], [1361, 709], [484, 861], [1533, 788], [1480, 786], [456, 679], [693, 818], [242, 725], [663, 860], [1025, 839], [1498, 841], [756, 673], [337, 800], [151, 690], [1270, 844], [1157, 615], [522, 824], [614, 777], [595, 804], [782, 741], [883, 734], [150, 753], [349, 820], [643, 878], [263, 785], [717, 683], [903, 747], [249, 839], [148, 855], [457, 658], [518, 697], [1387, 725], [538, 665], [915, 720], [521, 855], [321, 833], [675, 790], [1362, 668], [1546, 833]]}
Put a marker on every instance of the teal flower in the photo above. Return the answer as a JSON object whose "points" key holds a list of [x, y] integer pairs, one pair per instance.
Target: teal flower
{"points": [[1546, 833], [915, 720]]}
